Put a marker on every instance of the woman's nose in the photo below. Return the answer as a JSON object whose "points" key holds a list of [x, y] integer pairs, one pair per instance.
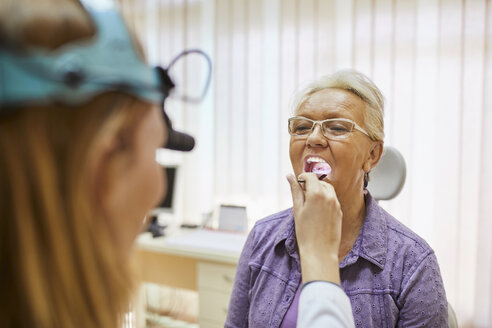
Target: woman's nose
{"points": [[316, 137]]}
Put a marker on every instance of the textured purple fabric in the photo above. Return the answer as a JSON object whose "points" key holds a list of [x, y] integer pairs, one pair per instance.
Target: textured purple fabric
{"points": [[290, 318], [391, 275]]}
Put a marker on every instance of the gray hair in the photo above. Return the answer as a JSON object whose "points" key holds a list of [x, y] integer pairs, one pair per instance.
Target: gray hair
{"points": [[361, 86]]}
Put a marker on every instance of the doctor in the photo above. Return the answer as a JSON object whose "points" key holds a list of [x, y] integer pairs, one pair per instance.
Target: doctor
{"points": [[80, 121]]}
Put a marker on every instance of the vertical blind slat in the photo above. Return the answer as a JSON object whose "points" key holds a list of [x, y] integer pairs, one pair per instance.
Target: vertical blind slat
{"points": [[471, 114]]}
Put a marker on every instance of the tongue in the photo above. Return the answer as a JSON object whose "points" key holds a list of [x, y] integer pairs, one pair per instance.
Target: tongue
{"points": [[321, 169]]}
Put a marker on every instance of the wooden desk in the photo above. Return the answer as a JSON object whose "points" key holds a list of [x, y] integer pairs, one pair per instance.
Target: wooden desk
{"points": [[199, 260]]}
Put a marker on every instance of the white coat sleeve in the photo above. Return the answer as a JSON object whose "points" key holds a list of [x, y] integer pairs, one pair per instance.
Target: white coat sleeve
{"points": [[324, 304]]}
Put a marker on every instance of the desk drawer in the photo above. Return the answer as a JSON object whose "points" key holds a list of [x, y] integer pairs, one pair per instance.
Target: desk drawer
{"points": [[213, 305], [211, 324], [219, 277]]}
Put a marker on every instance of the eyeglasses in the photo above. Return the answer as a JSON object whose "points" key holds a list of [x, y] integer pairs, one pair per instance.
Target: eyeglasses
{"points": [[333, 128]]}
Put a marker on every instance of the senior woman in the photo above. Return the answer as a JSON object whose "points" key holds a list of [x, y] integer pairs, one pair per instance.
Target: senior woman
{"points": [[390, 274]]}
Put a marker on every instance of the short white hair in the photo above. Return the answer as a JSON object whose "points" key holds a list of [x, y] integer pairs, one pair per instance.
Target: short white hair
{"points": [[358, 84]]}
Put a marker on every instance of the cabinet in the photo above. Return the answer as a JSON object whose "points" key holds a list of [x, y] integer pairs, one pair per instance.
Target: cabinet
{"points": [[208, 268], [215, 282]]}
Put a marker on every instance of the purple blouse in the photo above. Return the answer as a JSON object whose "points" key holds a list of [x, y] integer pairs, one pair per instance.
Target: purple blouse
{"points": [[290, 318], [391, 275]]}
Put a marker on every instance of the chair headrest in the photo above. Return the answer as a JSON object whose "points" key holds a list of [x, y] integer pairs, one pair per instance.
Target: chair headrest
{"points": [[388, 177]]}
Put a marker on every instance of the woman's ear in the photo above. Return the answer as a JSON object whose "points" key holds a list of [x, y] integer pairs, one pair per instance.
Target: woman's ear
{"points": [[374, 155]]}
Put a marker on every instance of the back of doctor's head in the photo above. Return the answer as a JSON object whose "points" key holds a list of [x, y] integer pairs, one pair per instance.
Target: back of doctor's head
{"points": [[59, 266]]}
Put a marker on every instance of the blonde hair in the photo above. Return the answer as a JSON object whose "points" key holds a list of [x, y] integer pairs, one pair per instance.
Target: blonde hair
{"points": [[60, 264], [361, 86]]}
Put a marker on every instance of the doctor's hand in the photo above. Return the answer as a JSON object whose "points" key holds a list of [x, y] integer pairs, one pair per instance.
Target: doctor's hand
{"points": [[318, 224]]}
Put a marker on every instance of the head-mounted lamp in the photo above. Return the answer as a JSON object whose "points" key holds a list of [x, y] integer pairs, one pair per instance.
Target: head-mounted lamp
{"points": [[78, 71]]}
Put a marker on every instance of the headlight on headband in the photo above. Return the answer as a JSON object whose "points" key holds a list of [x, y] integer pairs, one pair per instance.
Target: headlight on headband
{"points": [[78, 71]]}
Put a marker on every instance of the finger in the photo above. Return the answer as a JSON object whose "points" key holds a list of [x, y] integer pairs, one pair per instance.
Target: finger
{"points": [[296, 191], [326, 185], [329, 191], [311, 182]]}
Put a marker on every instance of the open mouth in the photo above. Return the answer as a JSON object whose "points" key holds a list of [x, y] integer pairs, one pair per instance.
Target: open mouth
{"points": [[317, 165]]}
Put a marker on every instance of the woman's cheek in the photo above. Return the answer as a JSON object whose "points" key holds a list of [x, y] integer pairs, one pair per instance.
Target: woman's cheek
{"points": [[295, 152], [161, 181]]}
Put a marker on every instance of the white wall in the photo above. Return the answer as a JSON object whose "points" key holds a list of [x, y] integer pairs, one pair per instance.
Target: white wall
{"points": [[431, 58]]}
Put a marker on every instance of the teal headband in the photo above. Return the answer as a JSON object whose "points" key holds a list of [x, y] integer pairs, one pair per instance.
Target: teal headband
{"points": [[78, 71]]}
